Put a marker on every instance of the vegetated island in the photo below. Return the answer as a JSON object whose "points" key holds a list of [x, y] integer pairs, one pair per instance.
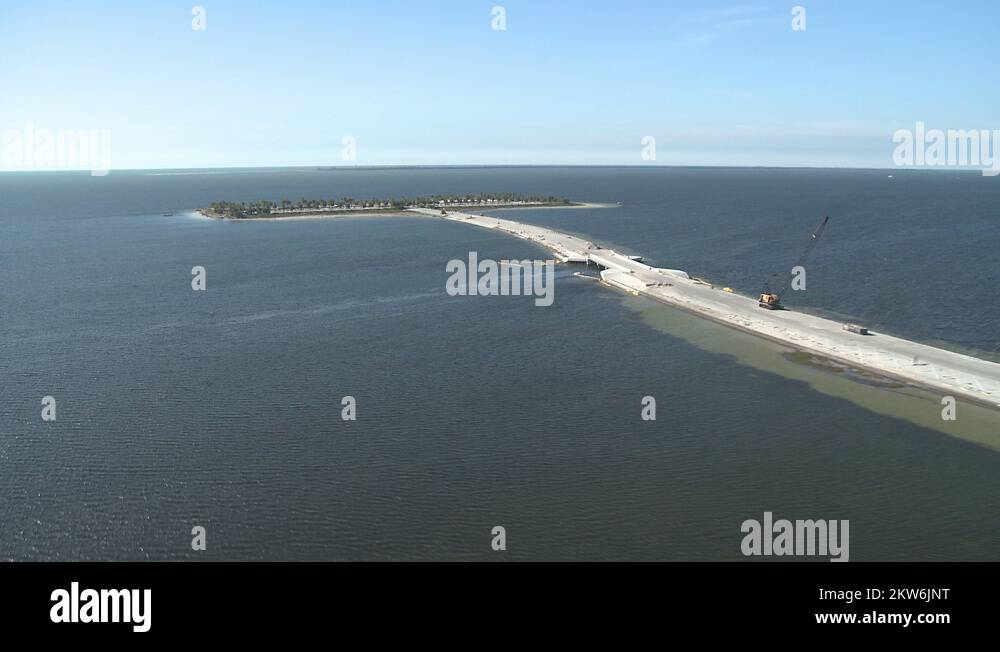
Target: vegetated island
{"points": [[309, 207]]}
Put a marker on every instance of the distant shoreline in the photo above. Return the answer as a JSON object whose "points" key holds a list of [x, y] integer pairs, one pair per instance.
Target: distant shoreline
{"points": [[309, 215], [270, 211]]}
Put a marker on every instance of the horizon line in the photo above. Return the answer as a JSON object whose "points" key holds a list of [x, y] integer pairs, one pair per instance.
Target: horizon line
{"points": [[401, 166]]}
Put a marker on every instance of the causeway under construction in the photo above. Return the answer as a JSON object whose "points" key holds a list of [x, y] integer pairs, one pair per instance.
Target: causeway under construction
{"points": [[947, 372]]}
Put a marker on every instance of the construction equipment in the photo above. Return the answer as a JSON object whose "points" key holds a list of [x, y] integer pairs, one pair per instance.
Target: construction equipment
{"points": [[769, 300], [772, 300]]}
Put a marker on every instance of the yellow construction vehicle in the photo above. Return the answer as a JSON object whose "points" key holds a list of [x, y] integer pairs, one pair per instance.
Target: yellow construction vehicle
{"points": [[769, 300]]}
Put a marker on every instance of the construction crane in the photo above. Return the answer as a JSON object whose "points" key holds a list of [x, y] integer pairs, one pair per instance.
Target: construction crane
{"points": [[772, 300]]}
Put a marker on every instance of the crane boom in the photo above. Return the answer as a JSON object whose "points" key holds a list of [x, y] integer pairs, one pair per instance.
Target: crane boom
{"points": [[772, 300], [805, 252]]}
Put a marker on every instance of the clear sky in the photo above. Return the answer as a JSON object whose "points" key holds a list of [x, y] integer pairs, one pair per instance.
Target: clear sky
{"points": [[569, 82]]}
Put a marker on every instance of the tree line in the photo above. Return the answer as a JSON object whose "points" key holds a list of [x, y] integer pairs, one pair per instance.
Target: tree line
{"points": [[265, 207]]}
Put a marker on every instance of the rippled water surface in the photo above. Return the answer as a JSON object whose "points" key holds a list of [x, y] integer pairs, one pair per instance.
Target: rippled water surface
{"points": [[222, 408]]}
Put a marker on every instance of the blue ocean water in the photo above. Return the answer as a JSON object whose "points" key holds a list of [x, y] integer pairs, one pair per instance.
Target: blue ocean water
{"points": [[222, 408]]}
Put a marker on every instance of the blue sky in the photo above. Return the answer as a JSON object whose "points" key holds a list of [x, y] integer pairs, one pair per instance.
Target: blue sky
{"points": [[571, 82]]}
